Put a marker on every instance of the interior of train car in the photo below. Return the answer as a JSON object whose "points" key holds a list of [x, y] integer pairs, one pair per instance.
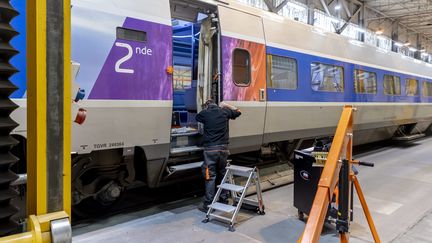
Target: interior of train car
{"points": [[195, 55]]}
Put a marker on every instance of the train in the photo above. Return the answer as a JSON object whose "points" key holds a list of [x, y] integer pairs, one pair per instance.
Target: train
{"points": [[143, 69]]}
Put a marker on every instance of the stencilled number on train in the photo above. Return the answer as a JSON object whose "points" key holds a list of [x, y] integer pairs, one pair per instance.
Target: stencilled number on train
{"points": [[124, 59], [141, 51]]}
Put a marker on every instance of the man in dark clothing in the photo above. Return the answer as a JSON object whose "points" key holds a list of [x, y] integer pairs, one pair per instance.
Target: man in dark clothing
{"points": [[216, 136]]}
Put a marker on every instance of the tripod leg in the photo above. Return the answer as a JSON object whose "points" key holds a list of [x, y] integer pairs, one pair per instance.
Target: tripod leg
{"points": [[366, 210]]}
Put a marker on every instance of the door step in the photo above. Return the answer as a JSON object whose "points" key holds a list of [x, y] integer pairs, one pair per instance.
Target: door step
{"points": [[185, 134], [188, 149], [184, 167], [409, 137]]}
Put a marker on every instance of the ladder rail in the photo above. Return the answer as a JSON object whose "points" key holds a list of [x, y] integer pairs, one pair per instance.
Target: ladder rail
{"points": [[218, 192], [258, 191], [233, 218]]}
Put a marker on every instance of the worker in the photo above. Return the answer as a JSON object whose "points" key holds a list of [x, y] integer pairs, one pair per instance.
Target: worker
{"points": [[216, 135]]}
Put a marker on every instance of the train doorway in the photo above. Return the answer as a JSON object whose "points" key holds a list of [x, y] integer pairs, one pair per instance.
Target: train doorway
{"points": [[196, 68]]}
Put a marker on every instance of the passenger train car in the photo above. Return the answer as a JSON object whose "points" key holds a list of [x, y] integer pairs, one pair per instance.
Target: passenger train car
{"points": [[148, 66]]}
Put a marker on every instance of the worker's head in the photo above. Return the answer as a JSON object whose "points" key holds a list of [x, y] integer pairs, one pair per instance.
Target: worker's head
{"points": [[209, 103]]}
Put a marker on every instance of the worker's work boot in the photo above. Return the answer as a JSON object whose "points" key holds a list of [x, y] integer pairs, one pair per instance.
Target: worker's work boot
{"points": [[203, 208]]}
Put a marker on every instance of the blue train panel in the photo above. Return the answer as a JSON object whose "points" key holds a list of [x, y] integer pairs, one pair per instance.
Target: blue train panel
{"points": [[305, 93]]}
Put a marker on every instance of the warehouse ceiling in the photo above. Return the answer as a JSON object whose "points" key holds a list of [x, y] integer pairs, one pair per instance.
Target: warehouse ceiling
{"points": [[415, 15]]}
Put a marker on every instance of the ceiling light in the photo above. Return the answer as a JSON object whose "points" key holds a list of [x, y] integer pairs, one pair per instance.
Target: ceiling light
{"points": [[407, 43], [337, 7], [379, 32]]}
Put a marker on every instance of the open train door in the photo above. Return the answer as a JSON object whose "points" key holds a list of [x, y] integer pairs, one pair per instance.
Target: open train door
{"points": [[244, 75]]}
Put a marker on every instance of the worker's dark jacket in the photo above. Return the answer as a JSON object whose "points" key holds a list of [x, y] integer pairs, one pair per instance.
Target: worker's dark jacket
{"points": [[215, 120]]}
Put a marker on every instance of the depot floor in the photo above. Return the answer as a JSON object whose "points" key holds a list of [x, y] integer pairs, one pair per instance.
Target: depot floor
{"points": [[398, 190]]}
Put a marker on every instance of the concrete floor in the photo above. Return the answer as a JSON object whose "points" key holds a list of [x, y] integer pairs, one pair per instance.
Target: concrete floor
{"points": [[398, 190]]}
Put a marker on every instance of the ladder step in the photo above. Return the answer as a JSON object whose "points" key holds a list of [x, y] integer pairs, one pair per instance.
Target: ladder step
{"points": [[231, 187], [240, 170], [222, 207], [220, 217]]}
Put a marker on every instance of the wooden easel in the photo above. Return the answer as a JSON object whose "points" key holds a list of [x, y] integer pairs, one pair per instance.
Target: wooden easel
{"points": [[337, 177]]}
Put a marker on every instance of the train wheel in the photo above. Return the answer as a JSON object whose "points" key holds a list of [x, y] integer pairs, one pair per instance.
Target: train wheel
{"points": [[95, 188]]}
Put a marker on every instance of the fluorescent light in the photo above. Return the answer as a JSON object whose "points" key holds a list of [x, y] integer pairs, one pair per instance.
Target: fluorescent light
{"points": [[338, 7], [381, 37], [407, 43], [398, 44], [379, 32], [412, 49]]}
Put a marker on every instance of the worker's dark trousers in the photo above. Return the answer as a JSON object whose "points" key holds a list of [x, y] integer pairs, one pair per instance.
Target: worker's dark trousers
{"points": [[213, 169]]}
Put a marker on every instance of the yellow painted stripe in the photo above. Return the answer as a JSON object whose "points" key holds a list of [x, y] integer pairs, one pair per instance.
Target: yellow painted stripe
{"points": [[36, 103], [67, 110]]}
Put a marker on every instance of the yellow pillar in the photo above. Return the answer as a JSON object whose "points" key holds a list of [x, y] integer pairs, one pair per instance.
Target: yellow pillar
{"points": [[48, 119]]}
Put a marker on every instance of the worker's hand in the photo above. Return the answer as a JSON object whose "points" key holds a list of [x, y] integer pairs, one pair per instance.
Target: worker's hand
{"points": [[225, 105]]}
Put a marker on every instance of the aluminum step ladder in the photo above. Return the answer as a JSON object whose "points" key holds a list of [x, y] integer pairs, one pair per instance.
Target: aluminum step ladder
{"points": [[238, 194]]}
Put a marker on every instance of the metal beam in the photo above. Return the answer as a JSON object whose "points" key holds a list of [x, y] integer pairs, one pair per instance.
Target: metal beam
{"points": [[281, 5], [311, 11], [345, 6], [340, 30], [326, 9]]}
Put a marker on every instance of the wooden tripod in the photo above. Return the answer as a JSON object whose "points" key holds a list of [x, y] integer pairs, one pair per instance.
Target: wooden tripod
{"points": [[337, 177]]}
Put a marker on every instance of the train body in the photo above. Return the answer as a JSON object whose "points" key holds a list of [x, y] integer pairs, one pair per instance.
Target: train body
{"points": [[147, 67]]}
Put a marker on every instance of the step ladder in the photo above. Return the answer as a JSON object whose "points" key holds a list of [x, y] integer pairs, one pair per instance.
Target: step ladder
{"points": [[238, 194]]}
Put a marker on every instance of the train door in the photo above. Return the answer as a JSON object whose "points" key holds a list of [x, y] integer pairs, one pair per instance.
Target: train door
{"points": [[244, 75]]}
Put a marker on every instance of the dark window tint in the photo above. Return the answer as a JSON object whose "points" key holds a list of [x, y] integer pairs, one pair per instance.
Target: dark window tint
{"points": [[411, 87], [132, 35], [282, 73], [328, 78], [241, 67], [365, 82], [392, 85]]}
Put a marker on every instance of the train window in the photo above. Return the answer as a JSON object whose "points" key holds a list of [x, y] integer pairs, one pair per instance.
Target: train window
{"points": [[365, 82], [327, 77], [241, 67], [411, 87], [427, 89], [392, 85], [132, 35], [282, 73]]}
